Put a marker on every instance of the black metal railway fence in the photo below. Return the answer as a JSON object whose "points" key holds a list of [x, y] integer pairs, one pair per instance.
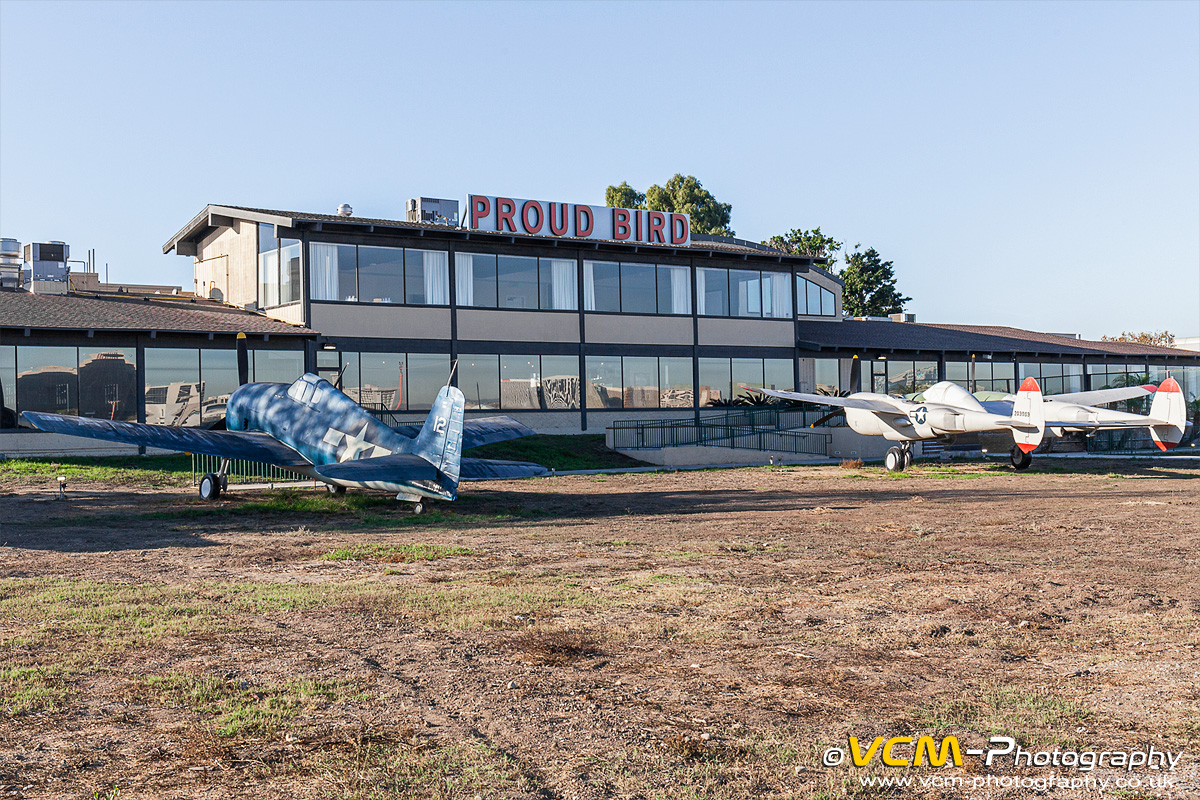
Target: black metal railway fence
{"points": [[243, 471]]}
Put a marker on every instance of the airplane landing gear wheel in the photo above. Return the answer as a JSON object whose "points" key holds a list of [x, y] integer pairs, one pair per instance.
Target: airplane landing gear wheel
{"points": [[894, 460], [224, 483], [419, 507], [1020, 459], [210, 487], [908, 458], [336, 491]]}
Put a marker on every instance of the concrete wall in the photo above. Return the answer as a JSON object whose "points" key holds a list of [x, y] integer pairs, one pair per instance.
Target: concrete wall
{"points": [[383, 321], [630, 329], [747, 332], [515, 326], [227, 265], [694, 456]]}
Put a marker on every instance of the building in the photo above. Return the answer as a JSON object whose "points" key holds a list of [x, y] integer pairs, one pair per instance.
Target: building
{"points": [[566, 316]]}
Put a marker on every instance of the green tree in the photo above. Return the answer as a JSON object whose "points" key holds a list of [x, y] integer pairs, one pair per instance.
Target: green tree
{"points": [[807, 243], [870, 286], [624, 196]]}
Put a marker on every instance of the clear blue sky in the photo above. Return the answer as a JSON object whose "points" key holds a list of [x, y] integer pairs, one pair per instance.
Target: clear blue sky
{"points": [[1033, 164]]}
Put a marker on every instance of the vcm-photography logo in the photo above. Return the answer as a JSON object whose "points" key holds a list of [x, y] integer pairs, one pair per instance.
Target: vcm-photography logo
{"points": [[907, 751]]}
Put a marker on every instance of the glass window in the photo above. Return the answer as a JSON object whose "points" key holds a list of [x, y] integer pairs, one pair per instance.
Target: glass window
{"points": [[601, 286], [777, 295], [1072, 377], [638, 289], [333, 271], [603, 387], [745, 293], [47, 380], [172, 385], [714, 381], [827, 303], [479, 380], [108, 383], [674, 290], [777, 372], [900, 377], [426, 277], [381, 384], [381, 274], [475, 280], [268, 267], [675, 382], [641, 381], [712, 292], [8, 385], [879, 377], [925, 374], [814, 298], [958, 372], [427, 374], [558, 284], [289, 271], [218, 380], [520, 382], [516, 282], [748, 371], [560, 382], [827, 375], [275, 366]]}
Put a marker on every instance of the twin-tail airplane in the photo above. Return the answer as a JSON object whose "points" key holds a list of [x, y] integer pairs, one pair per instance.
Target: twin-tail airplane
{"points": [[946, 410], [312, 428]]}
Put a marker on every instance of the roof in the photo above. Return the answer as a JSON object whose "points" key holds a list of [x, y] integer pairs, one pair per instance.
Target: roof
{"points": [[124, 313], [851, 336], [214, 216]]}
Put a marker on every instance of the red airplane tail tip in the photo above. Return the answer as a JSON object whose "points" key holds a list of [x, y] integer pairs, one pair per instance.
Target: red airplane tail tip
{"points": [[1169, 385], [1150, 387], [1030, 385]]}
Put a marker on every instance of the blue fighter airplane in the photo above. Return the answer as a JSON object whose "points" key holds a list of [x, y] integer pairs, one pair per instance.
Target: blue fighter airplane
{"points": [[312, 428]]}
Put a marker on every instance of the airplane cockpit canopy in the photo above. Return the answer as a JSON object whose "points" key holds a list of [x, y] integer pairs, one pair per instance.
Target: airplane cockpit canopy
{"points": [[309, 389], [952, 394]]}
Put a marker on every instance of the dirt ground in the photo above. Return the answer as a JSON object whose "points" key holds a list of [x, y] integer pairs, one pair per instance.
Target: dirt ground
{"points": [[687, 634]]}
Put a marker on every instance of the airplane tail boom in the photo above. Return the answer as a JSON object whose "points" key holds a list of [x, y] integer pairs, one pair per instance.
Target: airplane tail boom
{"points": [[1169, 409]]}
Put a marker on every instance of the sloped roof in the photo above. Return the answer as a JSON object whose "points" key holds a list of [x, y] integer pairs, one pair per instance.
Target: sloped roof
{"points": [[911, 337], [124, 312]]}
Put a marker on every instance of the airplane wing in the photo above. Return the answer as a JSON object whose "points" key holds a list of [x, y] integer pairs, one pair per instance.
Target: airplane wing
{"points": [[1099, 397], [486, 469], [476, 432], [877, 406], [394, 468], [225, 444]]}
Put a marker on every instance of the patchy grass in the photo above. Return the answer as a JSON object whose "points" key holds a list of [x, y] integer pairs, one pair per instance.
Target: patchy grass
{"points": [[32, 688], [395, 553], [438, 771], [561, 452], [1028, 714], [172, 470]]}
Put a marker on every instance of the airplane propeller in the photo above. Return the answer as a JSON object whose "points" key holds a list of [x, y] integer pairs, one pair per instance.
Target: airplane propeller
{"points": [[828, 417], [855, 374], [243, 360]]}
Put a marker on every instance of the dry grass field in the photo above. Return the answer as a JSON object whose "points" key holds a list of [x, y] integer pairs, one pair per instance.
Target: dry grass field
{"points": [[673, 635]]}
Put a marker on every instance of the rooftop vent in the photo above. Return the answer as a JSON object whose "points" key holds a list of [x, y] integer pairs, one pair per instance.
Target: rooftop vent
{"points": [[344, 210]]}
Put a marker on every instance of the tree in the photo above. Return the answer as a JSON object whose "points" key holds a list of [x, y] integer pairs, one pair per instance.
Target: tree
{"points": [[682, 195], [1157, 338], [807, 243], [870, 286], [624, 196]]}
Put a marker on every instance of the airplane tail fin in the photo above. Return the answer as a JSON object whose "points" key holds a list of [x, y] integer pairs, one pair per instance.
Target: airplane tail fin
{"points": [[1029, 416], [1169, 408], [440, 439]]}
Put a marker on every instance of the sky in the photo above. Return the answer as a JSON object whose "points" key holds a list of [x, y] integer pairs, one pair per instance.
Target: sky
{"points": [[1034, 164]]}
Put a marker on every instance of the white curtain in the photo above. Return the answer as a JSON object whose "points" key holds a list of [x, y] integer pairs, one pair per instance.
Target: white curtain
{"points": [[436, 265], [564, 291], [700, 291], [779, 295], [681, 290], [464, 278], [323, 271], [589, 287]]}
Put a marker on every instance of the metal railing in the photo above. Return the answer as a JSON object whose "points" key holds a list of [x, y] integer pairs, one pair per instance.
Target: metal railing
{"points": [[656, 434], [243, 471]]}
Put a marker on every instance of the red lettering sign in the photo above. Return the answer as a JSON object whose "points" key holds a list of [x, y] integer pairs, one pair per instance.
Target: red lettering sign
{"points": [[583, 213], [620, 224], [655, 221], [637, 219], [679, 228], [536, 208], [556, 229], [480, 208], [505, 208]]}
